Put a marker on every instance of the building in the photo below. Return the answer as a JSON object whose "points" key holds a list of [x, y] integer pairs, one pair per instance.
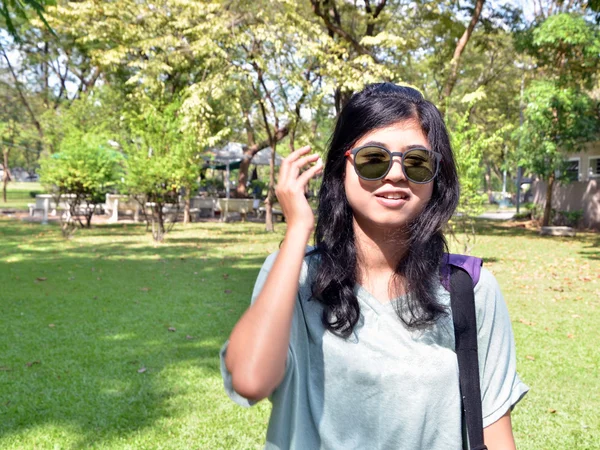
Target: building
{"points": [[582, 192]]}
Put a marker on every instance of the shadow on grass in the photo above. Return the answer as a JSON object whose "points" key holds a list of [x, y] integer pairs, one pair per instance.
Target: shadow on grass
{"points": [[592, 250], [500, 228], [97, 331]]}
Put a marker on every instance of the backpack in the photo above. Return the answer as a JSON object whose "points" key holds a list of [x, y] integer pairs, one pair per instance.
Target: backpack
{"points": [[460, 275]]}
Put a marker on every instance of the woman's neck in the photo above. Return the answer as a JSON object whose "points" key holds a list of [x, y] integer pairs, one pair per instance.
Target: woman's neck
{"points": [[379, 250]]}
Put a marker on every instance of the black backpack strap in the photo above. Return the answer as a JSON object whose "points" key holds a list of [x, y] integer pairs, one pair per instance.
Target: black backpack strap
{"points": [[462, 300]]}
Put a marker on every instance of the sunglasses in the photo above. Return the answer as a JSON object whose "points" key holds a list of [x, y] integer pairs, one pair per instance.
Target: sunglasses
{"points": [[373, 162]]}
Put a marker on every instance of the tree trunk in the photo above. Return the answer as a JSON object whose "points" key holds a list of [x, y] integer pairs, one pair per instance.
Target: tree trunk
{"points": [[158, 222], [458, 51], [241, 190], [548, 206], [5, 174], [186, 207], [90, 210], [488, 181], [269, 222]]}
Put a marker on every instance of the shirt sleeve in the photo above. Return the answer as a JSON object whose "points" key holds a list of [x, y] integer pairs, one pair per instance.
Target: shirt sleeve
{"points": [[225, 374], [501, 387]]}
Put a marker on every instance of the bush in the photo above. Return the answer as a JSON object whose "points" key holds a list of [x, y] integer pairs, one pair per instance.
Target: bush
{"points": [[567, 218], [212, 185], [84, 170]]}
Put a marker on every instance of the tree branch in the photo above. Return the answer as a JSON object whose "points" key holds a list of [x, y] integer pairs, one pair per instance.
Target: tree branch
{"points": [[373, 14], [336, 28], [21, 95], [458, 51]]}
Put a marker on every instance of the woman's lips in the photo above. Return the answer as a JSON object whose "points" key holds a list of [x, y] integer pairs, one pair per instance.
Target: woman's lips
{"points": [[391, 200]]}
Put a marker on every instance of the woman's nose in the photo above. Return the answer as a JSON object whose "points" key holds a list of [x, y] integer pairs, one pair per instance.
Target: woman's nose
{"points": [[395, 173]]}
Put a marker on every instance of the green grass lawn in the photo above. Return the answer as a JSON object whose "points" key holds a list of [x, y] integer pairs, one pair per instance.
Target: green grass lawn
{"points": [[111, 342], [18, 194]]}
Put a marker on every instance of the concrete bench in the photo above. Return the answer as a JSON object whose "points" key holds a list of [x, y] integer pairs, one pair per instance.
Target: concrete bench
{"points": [[47, 206], [116, 205], [239, 205], [277, 213], [203, 205]]}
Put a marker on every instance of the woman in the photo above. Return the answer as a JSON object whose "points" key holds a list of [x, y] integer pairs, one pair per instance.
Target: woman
{"points": [[352, 340]]}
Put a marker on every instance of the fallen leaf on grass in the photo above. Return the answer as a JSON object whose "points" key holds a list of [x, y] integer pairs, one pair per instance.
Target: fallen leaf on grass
{"points": [[189, 337], [526, 322], [570, 335], [142, 370], [530, 358], [145, 289], [29, 364], [576, 316], [4, 369], [41, 279], [173, 329], [51, 325]]}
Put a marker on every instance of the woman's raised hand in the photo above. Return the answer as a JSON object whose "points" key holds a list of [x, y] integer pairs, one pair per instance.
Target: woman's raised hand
{"points": [[291, 187]]}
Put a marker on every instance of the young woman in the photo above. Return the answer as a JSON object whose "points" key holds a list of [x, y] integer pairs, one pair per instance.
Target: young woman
{"points": [[353, 339]]}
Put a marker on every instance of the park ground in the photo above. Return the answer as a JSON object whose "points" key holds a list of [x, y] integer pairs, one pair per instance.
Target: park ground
{"points": [[111, 342]]}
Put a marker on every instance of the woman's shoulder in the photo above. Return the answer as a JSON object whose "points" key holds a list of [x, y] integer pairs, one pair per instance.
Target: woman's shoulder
{"points": [[488, 296], [487, 283]]}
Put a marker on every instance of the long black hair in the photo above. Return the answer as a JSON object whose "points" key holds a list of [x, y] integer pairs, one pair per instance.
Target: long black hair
{"points": [[378, 106]]}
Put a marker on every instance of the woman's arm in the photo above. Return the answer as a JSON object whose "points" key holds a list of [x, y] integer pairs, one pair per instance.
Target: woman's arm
{"points": [[258, 346], [499, 436]]}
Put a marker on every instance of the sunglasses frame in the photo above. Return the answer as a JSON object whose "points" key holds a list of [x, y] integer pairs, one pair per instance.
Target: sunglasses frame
{"points": [[435, 156]]}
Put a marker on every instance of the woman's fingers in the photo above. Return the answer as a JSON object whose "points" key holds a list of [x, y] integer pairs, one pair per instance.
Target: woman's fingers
{"points": [[290, 159], [311, 172], [294, 167], [299, 164], [292, 179], [298, 153]]}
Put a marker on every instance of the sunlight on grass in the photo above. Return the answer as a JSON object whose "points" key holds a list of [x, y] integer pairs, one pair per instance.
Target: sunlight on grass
{"points": [[111, 341]]}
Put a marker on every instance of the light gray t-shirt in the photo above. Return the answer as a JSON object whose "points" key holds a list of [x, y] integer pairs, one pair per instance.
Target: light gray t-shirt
{"points": [[385, 387]]}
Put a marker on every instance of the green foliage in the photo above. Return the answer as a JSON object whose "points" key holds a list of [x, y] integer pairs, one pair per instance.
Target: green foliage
{"points": [[85, 165], [567, 218], [567, 45], [470, 140], [84, 170], [20, 9], [556, 120], [212, 185], [468, 143]]}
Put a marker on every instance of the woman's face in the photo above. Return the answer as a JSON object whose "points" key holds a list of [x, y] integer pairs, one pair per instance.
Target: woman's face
{"points": [[393, 201]]}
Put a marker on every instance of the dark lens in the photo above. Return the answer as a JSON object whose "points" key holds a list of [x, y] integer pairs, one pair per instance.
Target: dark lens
{"points": [[372, 162], [419, 165]]}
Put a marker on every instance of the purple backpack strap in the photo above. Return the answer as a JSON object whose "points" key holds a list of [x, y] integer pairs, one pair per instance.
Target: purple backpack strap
{"points": [[470, 264]]}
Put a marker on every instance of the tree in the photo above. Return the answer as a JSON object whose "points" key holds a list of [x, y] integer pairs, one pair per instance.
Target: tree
{"points": [[469, 142], [560, 114], [557, 120], [20, 8], [162, 162], [84, 170]]}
